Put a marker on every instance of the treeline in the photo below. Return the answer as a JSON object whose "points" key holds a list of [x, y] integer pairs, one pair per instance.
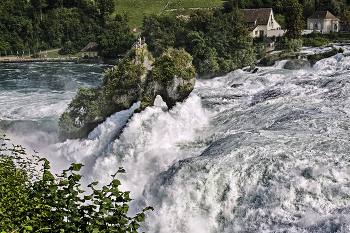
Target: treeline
{"points": [[28, 25], [218, 42]]}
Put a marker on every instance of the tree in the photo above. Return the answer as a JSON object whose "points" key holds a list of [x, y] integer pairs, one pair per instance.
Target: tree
{"points": [[345, 18], [116, 37], [230, 5], [37, 201], [294, 19], [106, 7]]}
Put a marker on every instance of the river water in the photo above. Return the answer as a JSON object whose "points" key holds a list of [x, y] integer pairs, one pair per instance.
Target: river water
{"points": [[263, 152]]}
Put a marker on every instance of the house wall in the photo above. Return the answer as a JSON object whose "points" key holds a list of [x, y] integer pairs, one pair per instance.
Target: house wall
{"points": [[326, 25], [271, 33], [259, 29], [272, 28], [273, 24], [90, 54]]}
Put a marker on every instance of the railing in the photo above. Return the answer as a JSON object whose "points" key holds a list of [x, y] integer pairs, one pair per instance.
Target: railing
{"points": [[134, 45]]}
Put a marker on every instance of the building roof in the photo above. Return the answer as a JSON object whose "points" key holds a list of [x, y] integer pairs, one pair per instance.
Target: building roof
{"points": [[260, 16], [91, 47], [322, 15]]}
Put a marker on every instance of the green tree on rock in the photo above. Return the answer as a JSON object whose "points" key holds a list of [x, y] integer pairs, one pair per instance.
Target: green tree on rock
{"points": [[294, 19]]}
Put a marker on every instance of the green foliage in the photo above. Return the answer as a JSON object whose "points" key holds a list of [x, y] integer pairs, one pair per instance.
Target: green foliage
{"points": [[184, 88], [136, 9], [161, 32], [290, 44], [67, 48], [194, 4], [116, 38], [170, 64], [231, 5], [34, 200], [125, 76], [294, 19], [280, 19], [296, 44], [345, 18], [70, 25], [146, 101], [87, 106], [217, 42], [315, 42]]}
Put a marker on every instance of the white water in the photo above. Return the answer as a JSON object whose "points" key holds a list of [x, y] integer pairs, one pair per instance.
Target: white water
{"points": [[270, 155]]}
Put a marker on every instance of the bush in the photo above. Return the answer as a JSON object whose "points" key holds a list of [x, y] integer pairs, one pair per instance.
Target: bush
{"points": [[315, 42], [172, 62], [67, 48], [34, 200], [292, 44]]}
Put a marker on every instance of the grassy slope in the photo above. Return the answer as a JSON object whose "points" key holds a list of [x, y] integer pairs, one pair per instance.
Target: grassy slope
{"points": [[137, 8]]}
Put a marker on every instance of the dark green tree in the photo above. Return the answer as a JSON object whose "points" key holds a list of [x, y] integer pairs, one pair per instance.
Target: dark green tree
{"points": [[345, 17], [106, 7], [230, 5], [116, 37], [294, 19]]}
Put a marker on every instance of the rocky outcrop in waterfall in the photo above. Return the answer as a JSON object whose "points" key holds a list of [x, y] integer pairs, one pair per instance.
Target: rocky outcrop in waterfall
{"points": [[138, 78], [296, 64]]}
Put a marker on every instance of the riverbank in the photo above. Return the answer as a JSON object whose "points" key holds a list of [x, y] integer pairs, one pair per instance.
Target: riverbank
{"points": [[76, 60]]}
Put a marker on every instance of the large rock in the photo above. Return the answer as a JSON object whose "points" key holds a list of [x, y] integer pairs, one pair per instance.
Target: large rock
{"points": [[296, 64], [137, 78]]}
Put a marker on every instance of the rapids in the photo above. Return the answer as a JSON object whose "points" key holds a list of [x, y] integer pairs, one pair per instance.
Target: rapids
{"points": [[263, 152]]}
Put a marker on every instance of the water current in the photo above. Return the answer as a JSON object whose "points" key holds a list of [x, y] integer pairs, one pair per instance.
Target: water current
{"points": [[263, 152]]}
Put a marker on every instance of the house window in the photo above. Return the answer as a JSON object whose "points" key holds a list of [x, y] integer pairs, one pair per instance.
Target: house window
{"points": [[311, 26], [93, 54], [256, 33], [251, 24], [261, 32], [272, 24], [335, 27], [84, 54]]}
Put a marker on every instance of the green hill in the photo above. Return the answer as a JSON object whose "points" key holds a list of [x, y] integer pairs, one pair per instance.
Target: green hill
{"points": [[137, 8]]}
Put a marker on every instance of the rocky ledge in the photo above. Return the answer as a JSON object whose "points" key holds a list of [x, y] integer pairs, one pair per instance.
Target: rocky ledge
{"points": [[138, 78], [297, 60]]}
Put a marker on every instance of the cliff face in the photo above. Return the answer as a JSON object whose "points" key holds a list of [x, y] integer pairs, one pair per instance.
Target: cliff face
{"points": [[138, 78]]}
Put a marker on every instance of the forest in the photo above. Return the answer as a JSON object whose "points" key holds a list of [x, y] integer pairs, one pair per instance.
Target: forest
{"points": [[68, 24], [217, 40]]}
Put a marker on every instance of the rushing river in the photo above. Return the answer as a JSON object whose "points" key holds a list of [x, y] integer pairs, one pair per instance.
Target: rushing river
{"points": [[263, 152]]}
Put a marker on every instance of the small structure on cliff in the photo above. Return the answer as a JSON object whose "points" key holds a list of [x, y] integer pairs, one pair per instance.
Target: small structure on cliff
{"points": [[138, 78]]}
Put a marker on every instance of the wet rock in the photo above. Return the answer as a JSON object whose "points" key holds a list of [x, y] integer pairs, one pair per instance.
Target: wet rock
{"points": [[235, 85], [296, 64], [268, 60]]}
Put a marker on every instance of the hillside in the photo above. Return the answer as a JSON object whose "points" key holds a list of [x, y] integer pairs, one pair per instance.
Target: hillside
{"points": [[137, 8]]}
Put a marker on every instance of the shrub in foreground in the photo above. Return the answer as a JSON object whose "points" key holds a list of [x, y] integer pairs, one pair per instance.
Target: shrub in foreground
{"points": [[34, 200]]}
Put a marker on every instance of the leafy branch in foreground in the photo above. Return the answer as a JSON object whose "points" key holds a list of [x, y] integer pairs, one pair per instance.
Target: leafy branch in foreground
{"points": [[37, 201]]}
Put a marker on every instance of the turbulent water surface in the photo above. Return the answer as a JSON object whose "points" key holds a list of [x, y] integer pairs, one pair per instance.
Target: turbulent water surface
{"points": [[263, 152]]}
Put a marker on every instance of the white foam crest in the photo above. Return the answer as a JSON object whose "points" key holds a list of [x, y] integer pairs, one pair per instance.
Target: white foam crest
{"points": [[86, 151], [151, 142], [261, 189]]}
